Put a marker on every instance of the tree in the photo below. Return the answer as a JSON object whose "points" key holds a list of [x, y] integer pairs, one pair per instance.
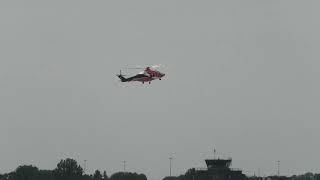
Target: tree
{"points": [[68, 169], [97, 175], [3, 176], [128, 176], [25, 172], [43, 174], [105, 177]]}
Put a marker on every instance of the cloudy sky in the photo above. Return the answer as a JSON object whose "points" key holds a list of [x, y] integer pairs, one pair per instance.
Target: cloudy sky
{"points": [[242, 77]]}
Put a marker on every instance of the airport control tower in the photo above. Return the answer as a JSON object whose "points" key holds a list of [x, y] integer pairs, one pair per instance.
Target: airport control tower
{"points": [[217, 169]]}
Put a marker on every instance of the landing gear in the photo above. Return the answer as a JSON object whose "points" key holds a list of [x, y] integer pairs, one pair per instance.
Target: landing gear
{"points": [[149, 82], [160, 79]]}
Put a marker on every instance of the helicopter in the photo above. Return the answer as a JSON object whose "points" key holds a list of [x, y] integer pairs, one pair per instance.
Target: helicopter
{"points": [[148, 74]]}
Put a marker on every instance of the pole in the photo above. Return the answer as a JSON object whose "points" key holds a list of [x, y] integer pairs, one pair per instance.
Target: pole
{"points": [[85, 166], [124, 166], [278, 168], [170, 159]]}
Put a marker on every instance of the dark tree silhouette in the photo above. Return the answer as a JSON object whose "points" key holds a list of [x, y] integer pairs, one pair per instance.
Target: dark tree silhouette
{"points": [[68, 169], [97, 175], [127, 176], [43, 175], [181, 177], [25, 172], [105, 177]]}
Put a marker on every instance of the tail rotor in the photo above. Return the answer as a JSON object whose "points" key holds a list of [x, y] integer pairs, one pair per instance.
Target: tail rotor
{"points": [[121, 77]]}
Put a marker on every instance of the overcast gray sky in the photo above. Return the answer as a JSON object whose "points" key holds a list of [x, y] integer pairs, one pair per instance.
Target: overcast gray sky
{"points": [[242, 76]]}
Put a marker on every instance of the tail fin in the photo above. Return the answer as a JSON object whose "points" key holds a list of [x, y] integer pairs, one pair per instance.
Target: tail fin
{"points": [[123, 79]]}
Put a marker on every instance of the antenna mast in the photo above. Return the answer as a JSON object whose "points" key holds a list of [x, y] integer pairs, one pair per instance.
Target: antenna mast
{"points": [[85, 166], [278, 168], [170, 159]]}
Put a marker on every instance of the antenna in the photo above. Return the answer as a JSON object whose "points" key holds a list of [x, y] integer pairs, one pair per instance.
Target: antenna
{"points": [[278, 168], [85, 166], [170, 159]]}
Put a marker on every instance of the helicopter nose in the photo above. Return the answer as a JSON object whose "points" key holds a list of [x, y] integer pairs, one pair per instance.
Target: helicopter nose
{"points": [[163, 75]]}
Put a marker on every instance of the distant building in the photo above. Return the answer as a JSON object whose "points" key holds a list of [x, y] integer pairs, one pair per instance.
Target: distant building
{"points": [[217, 169]]}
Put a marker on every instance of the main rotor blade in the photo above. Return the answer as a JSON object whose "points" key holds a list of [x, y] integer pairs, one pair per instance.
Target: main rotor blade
{"points": [[153, 66], [158, 66], [136, 68]]}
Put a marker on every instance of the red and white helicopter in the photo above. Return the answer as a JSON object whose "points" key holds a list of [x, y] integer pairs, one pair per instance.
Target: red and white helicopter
{"points": [[149, 74]]}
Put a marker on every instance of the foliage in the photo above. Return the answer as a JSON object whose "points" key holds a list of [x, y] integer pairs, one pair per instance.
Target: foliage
{"points": [[97, 175], [181, 177], [105, 176], [128, 176], [68, 169]]}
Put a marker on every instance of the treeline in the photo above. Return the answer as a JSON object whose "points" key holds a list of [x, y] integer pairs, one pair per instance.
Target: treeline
{"points": [[307, 176], [67, 169]]}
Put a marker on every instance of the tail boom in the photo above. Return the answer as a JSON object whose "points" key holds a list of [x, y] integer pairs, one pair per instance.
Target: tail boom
{"points": [[123, 79]]}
